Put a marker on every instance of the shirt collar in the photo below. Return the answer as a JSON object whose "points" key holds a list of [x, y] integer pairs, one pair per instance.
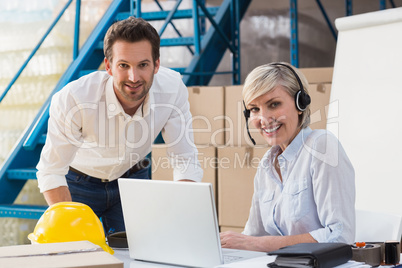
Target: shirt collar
{"points": [[294, 147], [112, 103], [148, 102], [114, 107], [288, 155]]}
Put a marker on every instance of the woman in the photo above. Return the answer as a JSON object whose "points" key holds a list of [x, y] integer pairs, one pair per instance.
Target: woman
{"points": [[304, 188]]}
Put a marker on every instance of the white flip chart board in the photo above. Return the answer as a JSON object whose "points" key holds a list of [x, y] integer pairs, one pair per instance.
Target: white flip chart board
{"points": [[365, 110]]}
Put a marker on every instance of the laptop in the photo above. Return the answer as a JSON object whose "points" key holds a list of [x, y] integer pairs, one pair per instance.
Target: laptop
{"points": [[174, 223]]}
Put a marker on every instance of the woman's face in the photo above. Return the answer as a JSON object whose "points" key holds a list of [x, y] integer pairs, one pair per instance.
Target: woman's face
{"points": [[276, 116]]}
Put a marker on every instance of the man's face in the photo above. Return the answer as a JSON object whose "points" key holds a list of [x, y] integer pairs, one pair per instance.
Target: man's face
{"points": [[133, 69]]}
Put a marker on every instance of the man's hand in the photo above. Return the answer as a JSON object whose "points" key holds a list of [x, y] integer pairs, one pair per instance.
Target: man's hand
{"points": [[60, 194]]}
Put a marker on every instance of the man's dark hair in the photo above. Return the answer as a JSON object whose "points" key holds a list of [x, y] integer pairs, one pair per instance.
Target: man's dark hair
{"points": [[131, 30]]}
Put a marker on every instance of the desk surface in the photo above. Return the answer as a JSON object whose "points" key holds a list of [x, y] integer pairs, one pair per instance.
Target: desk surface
{"points": [[123, 255], [259, 262]]}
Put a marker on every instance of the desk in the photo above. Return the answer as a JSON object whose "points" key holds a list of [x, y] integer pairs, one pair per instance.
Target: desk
{"points": [[259, 262], [123, 255]]}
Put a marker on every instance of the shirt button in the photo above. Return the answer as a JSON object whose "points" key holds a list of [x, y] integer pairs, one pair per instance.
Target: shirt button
{"points": [[111, 107]]}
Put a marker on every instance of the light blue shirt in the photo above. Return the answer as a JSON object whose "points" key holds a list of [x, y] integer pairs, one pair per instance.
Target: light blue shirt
{"points": [[317, 195]]}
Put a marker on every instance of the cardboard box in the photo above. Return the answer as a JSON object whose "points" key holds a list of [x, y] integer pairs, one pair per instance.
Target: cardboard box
{"points": [[163, 170], [235, 123], [52, 255], [207, 109], [236, 170], [318, 75], [320, 94]]}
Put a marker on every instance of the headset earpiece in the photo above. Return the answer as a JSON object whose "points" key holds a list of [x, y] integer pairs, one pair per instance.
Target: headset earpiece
{"points": [[302, 99]]}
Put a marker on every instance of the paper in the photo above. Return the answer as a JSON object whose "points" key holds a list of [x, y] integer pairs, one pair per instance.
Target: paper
{"points": [[251, 263]]}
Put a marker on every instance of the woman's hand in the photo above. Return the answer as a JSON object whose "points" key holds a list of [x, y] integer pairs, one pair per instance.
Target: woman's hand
{"points": [[235, 240], [262, 243]]}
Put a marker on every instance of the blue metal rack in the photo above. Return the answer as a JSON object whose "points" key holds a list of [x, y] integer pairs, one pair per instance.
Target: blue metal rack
{"points": [[204, 45]]}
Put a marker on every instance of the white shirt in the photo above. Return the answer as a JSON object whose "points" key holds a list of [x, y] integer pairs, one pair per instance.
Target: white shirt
{"points": [[317, 195], [89, 130]]}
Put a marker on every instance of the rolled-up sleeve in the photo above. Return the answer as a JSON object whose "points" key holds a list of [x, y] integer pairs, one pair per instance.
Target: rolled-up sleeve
{"points": [[333, 180], [254, 225], [60, 147]]}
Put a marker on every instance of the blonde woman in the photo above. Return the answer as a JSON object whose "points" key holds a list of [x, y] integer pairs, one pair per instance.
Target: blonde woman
{"points": [[304, 188]]}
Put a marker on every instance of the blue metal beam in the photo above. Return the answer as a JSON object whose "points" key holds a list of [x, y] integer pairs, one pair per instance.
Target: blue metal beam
{"points": [[22, 211], [197, 36], [383, 4], [235, 22], [137, 12], [76, 44], [294, 34], [324, 13], [22, 174], [169, 17], [181, 41], [19, 158], [197, 32], [174, 27], [349, 7], [161, 15], [212, 48], [216, 26]]}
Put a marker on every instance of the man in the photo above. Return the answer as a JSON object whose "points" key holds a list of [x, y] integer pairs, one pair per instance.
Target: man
{"points": [[102, 125]]}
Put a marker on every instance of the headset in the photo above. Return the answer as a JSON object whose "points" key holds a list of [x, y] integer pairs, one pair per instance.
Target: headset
{"points": [[302, 99]]}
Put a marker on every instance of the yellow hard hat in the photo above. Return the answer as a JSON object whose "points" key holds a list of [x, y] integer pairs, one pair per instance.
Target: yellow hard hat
{"points": [[67, 222]]}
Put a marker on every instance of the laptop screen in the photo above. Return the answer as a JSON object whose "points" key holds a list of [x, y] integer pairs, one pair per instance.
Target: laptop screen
{"points": [[171, 222]]}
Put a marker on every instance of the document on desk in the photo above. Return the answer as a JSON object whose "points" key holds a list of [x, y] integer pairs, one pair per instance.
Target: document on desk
{"points": [[257, 262]]}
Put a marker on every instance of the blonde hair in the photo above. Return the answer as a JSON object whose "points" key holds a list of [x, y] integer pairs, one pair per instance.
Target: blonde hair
{"points": [[267, 77]]}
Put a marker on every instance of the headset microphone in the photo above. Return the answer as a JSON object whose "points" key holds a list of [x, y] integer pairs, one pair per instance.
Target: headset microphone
{"points": [[246, 113]]}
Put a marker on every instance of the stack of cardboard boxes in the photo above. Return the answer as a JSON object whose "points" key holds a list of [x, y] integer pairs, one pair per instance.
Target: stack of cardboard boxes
{"points": [[226, 154]]}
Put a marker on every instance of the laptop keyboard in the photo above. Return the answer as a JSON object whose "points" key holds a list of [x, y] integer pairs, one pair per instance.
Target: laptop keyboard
{"points": [[230, 259]]}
